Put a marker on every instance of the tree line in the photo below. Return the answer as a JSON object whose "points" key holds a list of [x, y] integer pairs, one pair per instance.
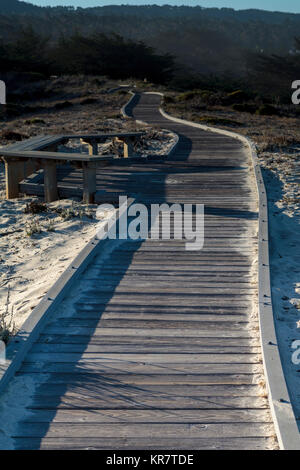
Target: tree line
{"points": [[96, 54], [267, 75]]}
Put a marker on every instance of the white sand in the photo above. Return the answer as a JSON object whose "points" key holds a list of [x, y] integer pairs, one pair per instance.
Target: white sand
{"points": [[30, 265], [282, 177]]}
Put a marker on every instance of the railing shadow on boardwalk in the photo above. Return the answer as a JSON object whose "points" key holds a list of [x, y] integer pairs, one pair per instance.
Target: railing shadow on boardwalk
{"points": [[71, 376]]}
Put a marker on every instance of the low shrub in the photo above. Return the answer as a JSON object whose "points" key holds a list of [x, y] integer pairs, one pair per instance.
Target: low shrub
{"points": [[267, 110], [244, 108], [188, 95], [8, 134], [88, 101], [34, 121], [35, 207], [63, 105]]}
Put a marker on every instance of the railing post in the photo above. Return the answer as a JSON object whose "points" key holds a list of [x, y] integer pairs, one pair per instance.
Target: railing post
{"points": [[13, 168], [128, 148], [89, 182], [50, 181], [92, 145]]}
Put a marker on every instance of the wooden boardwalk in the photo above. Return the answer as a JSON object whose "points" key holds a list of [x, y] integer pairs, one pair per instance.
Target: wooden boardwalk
{"points": [[158, 347]]}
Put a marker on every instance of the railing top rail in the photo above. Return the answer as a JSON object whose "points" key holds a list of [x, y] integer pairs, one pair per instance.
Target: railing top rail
{"points": [[34, 154]]}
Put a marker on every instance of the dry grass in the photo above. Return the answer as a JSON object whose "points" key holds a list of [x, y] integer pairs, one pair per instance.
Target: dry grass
{"points": [[7, 325], [69, 105], [273, 131]]}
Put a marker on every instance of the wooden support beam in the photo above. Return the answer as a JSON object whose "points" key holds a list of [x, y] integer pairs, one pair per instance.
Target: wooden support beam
{"points": [[89, 182], [13, 172], [128, 146], [92, 146], [50, 181]]}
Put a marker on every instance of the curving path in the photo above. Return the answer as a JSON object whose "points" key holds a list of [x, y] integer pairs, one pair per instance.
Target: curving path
{"points": [[158, 347]]}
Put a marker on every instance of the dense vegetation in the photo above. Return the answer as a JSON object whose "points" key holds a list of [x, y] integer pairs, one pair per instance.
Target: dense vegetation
{"points": [[98, 54], [206, 40], [184, 47]]}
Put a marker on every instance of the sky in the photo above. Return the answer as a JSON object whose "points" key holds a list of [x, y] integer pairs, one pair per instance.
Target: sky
{"points": [[292, 6]]}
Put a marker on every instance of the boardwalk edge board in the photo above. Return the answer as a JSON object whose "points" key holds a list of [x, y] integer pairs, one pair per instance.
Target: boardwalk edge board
{"points": [[280, 404]]}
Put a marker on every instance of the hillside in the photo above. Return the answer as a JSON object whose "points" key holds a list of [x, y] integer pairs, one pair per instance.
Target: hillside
{"points": [[14, 6], [208, 40]]}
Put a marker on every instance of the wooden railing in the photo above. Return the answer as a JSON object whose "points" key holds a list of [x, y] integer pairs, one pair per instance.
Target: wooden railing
{"points": [[23, 158]]}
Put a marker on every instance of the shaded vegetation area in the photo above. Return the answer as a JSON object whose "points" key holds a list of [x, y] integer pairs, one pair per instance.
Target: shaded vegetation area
{"points": [[243, 61], [98, 54], [206, 40], [268, 77]]}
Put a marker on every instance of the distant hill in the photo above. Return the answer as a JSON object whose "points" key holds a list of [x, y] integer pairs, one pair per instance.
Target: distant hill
{"points": [[152, 11], [14, 6], [170, 11], [208, 40]]}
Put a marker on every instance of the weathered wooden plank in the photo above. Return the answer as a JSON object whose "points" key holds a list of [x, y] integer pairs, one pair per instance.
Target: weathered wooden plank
{"points": [[110, 389], [102, 358], [190, 430], [166, 290], [141, 332], [127, 367], [79, 416], [142, 379], [148, 443], [82, 315], [134, 340], [144, 400], [131, 347], [180, 268], [161, 323]]}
